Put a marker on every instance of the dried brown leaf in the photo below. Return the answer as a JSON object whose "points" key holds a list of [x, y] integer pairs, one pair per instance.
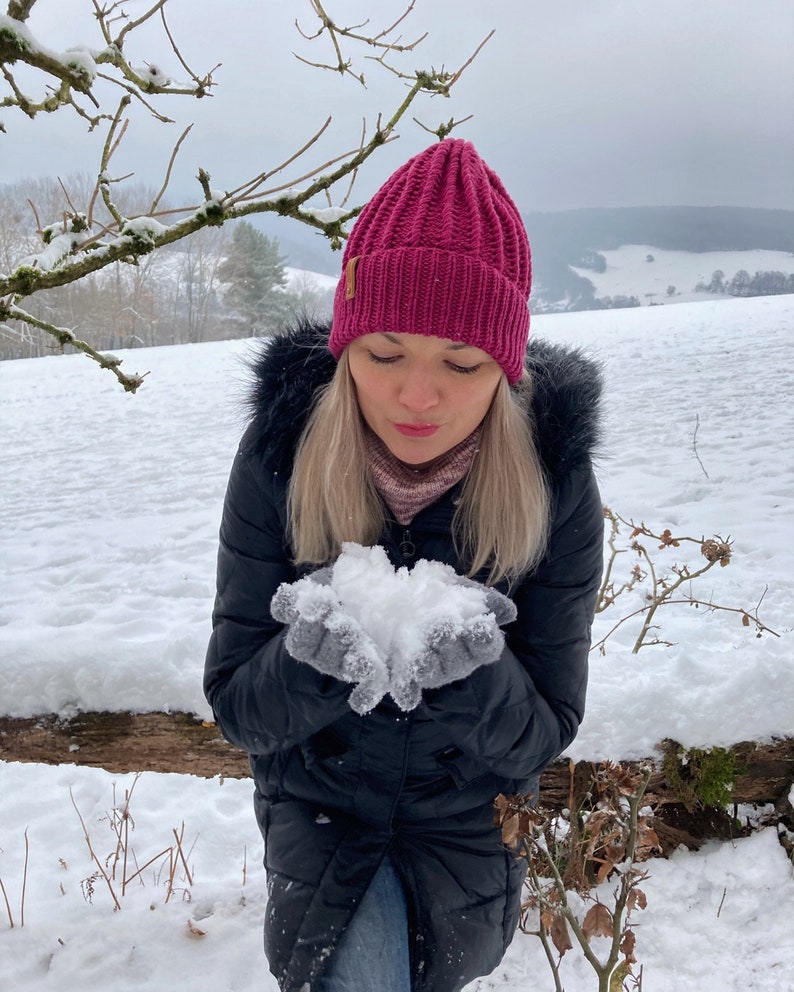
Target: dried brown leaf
{"points": [[627, 946], [714, 550], [195, 931], [606, 867], [625, 781], [558, 931], [597, 921], [515, 816], [510, 829], [637, 900], [647, 841]]}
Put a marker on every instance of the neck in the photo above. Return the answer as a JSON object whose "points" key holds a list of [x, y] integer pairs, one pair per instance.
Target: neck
{"points": [[407, 489]]}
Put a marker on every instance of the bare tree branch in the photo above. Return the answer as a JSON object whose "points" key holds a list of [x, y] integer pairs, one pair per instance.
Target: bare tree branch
{"points": [[81, 243], [78, 69], [20, 9], [64, 336], [171, 161]]}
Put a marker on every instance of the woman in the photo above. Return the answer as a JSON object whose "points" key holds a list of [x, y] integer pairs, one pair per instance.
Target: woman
{"points": [[424, 425]]}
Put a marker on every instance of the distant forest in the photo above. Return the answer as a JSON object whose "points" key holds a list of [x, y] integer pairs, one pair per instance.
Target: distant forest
{"points": [[672, 228]]}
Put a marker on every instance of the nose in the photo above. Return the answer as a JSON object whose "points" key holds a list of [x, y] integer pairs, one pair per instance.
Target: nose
{"points": [[418, 390]]}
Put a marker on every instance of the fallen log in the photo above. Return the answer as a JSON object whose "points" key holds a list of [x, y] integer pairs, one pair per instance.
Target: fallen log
{"points": [[124, 742], [763, 773], [761, 777]]}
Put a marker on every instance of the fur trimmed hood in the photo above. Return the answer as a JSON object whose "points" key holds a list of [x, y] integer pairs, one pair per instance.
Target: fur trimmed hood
{"points": [[290, 367]]}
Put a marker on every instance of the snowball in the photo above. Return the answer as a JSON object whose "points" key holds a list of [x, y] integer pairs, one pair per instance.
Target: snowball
{"points": [[397, 608]]}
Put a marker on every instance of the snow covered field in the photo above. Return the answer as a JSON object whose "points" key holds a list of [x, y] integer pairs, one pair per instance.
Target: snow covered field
{"points": [[110, 508], [629, 274]]}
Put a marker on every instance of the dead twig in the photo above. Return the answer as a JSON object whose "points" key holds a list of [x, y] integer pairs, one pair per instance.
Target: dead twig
{"points": [[663, 586], [695, 444]]}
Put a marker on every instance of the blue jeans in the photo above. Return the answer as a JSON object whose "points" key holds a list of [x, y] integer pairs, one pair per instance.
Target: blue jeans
{"points": [[372, 954]]}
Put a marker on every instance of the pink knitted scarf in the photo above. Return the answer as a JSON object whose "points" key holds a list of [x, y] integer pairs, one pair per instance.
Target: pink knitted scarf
{"points": [[407, 489]]}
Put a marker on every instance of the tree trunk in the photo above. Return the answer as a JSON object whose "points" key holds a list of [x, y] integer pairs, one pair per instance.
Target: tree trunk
{"points": [[179, 742]]}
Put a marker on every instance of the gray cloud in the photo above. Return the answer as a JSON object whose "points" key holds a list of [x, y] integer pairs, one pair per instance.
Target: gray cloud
{"points": [[576, 103]]}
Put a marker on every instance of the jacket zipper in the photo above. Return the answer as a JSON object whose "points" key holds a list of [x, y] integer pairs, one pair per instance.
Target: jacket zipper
{"points": [[407, 546]]}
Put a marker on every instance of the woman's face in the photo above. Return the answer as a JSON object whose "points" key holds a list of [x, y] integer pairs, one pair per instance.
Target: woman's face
{"points": [[421, 395]]}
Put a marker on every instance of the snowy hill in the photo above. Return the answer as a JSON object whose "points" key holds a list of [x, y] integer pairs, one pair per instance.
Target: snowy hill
{"points": [[648, 272], [564, 242]]}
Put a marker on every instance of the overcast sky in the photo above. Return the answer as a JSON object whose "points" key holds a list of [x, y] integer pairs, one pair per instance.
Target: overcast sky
{"points": [[576, 103]]}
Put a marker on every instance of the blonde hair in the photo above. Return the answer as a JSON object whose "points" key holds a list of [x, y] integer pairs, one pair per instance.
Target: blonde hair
{"points": [[501, 521]]}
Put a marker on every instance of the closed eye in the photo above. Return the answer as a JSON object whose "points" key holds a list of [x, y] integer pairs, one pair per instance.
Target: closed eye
{"points": [[382, 359], [452, 366], [464, 369]]}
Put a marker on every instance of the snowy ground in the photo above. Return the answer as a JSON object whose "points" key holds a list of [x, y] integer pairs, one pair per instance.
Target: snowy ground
{"points": [[110, 508], [628, 272], [717, 921]]}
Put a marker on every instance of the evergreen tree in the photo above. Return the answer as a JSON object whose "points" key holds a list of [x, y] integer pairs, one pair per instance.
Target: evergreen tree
{"points": [[254, 272]]}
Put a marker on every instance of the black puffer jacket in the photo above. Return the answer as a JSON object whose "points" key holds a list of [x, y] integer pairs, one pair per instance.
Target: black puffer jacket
{"points": [[335, 791]]}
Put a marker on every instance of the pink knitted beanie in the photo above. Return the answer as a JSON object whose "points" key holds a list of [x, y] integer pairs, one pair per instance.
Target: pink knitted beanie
{"points": [[439, 250]]}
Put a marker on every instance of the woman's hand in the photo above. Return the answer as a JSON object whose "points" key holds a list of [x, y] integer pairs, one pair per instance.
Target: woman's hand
{"points": [[452, 644], [321, 634], [454, 648]]}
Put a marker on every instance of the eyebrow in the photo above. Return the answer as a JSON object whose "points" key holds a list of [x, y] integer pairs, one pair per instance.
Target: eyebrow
{"points": [[451, 346]]}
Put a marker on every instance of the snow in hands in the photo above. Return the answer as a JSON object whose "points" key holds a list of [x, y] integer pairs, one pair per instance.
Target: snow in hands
{"points": [[391, 631]]}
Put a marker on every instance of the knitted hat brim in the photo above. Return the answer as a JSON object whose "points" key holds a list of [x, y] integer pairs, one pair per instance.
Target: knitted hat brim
{"points": [[435, 292]]}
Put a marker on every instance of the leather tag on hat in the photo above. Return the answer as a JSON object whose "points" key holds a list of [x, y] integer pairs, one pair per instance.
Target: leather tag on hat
{"points": [[350, 277]]}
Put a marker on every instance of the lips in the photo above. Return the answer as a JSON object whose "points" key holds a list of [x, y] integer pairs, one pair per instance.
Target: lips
{"points": [[416, 430]]}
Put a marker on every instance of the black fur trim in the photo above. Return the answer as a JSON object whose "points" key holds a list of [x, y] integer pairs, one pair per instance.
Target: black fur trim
{"points": [[286, 374], [566, 395]]}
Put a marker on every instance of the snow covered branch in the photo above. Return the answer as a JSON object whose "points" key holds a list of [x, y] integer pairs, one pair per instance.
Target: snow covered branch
{"points": [[64, 336], [71, 75], [94, 234]]}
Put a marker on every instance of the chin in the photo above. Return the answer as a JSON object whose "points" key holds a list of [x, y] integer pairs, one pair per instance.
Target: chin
{"points": [[417, 454]]}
